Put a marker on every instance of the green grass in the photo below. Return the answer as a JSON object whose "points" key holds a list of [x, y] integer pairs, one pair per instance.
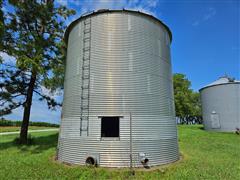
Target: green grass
{"points": [[4, 122], [207, 155], [16, 128]]}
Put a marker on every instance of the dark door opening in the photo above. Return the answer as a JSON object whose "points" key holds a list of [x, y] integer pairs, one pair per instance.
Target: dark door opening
{"points": [[110, 127]]}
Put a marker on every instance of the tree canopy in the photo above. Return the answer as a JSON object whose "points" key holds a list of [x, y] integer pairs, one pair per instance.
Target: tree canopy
{"points": [[187, 102], [33, 35]]}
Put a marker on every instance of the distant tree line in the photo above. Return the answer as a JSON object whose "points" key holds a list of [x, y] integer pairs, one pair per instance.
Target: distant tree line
{"points": [[187, 102], [4, 122]]}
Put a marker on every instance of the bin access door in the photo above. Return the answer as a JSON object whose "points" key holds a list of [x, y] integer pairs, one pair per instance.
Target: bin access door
{"points": [[215, 121]]}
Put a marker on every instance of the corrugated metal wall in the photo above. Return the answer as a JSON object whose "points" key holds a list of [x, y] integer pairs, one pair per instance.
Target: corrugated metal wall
{"points": [[221, 107], [130, 72]]}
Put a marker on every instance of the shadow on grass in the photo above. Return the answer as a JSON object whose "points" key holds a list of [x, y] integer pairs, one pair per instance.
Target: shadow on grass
{"points": [[40, 143]]}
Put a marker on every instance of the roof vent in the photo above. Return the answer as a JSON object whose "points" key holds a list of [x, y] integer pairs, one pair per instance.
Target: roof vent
{"points": [[231, 79], [102, 10]]}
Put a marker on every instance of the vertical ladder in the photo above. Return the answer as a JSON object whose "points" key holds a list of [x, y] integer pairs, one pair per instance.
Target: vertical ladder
{"points": [[85, 77]]}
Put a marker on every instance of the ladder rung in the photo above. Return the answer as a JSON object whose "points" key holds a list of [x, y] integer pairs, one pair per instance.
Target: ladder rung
{"points": [[85, 107], [84, 112], [84, 129], [84, 98], [85, 83], [84, 104], [87, 25], [85, 87], [85, 77], [83, 118], [85, 73], [87, 22], [85, 67], [86, 39], [88, 30], [86, 48], [86, 58]]}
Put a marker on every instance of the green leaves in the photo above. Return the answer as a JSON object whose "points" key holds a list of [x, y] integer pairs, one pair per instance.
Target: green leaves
{"points": [[31, 64], [187, 102], [33, 35]]}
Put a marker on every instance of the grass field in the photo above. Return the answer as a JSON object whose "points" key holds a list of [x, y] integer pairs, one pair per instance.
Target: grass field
{"points": [[17, 128], [207, 155]]}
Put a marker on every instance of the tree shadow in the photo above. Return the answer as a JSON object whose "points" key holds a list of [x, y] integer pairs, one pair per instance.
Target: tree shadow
{"points": [[202, 128], [40, 144]]}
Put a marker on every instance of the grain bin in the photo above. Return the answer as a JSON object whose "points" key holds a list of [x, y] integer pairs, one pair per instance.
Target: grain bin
{"points": [[118, 97], [221, 105]]}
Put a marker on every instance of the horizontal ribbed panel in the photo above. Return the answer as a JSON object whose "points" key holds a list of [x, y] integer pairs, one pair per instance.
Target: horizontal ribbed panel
{"points": [[157, 151], [223, 102], [130, 71]]}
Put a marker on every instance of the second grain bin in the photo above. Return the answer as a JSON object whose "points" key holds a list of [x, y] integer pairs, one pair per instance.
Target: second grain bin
{"points": [[221, 105], [118, 70]]}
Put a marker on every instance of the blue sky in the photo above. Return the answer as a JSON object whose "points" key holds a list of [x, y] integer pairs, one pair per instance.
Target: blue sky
{"points": [[205, 46]]}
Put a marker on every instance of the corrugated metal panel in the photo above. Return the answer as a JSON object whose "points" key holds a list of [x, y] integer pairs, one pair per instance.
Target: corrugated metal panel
{"points": [[130, 72], [221, 81], [221, 106]]}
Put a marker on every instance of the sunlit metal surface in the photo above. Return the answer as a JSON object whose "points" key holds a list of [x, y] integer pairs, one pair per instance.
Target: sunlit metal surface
{"points": [[130, 72], [221, 105]]}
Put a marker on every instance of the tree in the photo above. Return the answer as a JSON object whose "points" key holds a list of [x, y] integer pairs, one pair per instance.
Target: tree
{"points": [[187, 102], [33, 36], [1, 23]]}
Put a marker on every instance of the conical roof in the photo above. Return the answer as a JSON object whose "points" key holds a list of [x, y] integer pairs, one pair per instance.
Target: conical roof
{"points": [[222, 80]]}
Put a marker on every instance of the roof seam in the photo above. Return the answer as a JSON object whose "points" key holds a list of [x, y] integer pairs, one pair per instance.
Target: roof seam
{"points": [[72, 24]]}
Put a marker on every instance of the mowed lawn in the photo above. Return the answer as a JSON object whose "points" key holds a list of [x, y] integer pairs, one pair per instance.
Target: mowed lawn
{"points": [[206, 155], [17, 128]]}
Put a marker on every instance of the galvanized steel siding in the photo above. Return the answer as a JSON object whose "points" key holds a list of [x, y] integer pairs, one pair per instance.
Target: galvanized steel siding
{"points": [[224, 101], [130, 72]]}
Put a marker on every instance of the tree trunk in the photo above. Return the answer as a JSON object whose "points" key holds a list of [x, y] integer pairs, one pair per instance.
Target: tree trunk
{"points": [[27, 110]]}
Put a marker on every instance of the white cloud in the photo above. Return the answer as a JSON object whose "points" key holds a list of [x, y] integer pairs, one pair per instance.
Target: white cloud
{"points": [[62, 2], [8, 59], [146, 6], [4, 9], [210, 13], [56, 95], [85, 6], [152, 3]]}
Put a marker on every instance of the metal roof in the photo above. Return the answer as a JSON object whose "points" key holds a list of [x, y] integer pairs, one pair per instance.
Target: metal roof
{"points": [[221, 81], [101, 11]]}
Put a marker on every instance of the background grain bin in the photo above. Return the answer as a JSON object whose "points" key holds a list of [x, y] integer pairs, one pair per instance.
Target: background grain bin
{"points": [[118, 62], [221, 105]]}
